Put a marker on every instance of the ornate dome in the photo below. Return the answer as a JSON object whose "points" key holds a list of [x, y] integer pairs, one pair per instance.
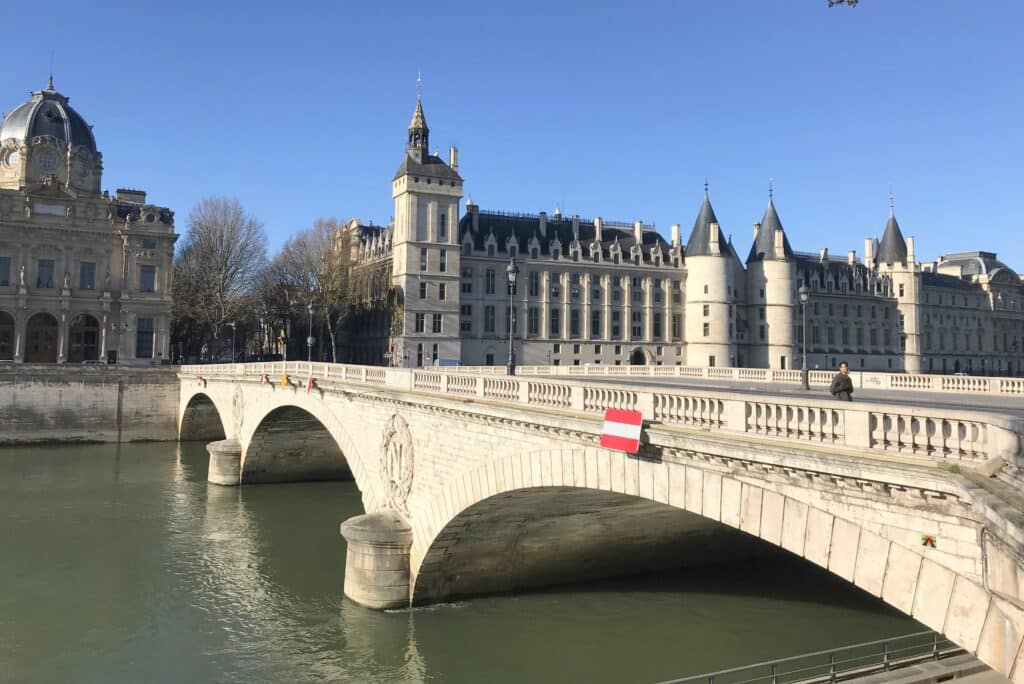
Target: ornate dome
{"points": [[47, 113]]}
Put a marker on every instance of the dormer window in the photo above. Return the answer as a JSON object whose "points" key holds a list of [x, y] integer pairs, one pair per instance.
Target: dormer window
{"points": [[534, 252], [491, 250], [556, 253], [513, 251], [467, 248]]}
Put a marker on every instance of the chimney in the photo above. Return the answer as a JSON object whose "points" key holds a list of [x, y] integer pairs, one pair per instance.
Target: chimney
{"points": [[598, 225], [543, 222], [823, 254], [638, 232], [757, 227], [910, 250], [713, 239], [851, 257], [453, 157], [869, 252], [576, 227], [675, 235], [474, 211], [780, 244]]}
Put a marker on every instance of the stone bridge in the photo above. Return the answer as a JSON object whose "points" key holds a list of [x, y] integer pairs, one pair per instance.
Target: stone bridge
{"points": [[475, 483]]}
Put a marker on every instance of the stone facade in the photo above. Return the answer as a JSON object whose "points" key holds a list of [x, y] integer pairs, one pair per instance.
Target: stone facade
{"points": [[83, 275], [592, 291]]}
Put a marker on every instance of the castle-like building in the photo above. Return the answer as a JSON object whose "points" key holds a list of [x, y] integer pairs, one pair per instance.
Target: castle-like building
{"points": [[83, 275], [432, 288]]}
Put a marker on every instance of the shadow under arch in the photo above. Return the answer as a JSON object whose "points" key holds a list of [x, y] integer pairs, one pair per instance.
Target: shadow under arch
{"points": [[201, 420], [544, 536], [290, 444]]}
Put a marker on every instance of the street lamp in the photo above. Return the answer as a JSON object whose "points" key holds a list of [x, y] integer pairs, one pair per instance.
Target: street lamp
{"points": [[804, 296], [233, 357], [310, 340], [513, 271]]}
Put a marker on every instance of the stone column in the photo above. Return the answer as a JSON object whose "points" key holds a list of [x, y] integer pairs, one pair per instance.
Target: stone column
{"points": [[225, 462], [377, 562]]}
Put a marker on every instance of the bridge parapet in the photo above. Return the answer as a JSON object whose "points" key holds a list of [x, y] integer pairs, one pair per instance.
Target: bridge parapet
{"points": [[904, 429]]}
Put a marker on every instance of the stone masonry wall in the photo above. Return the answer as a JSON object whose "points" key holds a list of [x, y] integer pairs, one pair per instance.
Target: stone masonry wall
{"points": [[83, 404]]}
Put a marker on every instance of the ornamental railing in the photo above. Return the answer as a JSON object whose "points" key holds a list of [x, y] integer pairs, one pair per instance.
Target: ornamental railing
{"points": [[923, 433]]}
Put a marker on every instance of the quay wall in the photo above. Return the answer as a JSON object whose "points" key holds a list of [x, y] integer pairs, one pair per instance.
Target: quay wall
{"points": [[48, 403]]}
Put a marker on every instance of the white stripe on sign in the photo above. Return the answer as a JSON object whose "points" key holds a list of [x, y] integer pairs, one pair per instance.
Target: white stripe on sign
{"points": [[621, 430]]}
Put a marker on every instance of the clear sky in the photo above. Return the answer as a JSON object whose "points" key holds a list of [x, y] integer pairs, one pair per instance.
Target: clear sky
{"points": [[299, 109]]}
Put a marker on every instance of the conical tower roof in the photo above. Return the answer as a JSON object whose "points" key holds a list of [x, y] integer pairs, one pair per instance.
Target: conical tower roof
{"points": [[893, 248], [700, 238], [764, 241]]}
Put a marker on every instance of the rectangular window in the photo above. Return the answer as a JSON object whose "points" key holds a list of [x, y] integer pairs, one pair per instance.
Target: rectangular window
{"points": [[707, 329], [5, 271], [419, 323], [419, 354], [595, 324], [442, 292], [148, 243], [433, 356], [86, 275], [442, 264], [144, 339], [489, 281], [423, 258], [574, 323], [533, 321], [637, 324], [677, 326], [534, 284], [442, 228], [761, 332], [423, 290], [616, 295], [874, 338], [707, 309], [44, 273], [511, 321], [466, 324], [815, 335], [860, 337], [846, 336], [901, 293], [657, 326], [489, 319], [555, 330], [147, 278], [831, 335], [467, 280], [436, 327]]}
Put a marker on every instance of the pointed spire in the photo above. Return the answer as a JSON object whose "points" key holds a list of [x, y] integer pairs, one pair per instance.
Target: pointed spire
{"points": [[419, 133], [764, 241], [893, 248], [699, 243], [771, 191], [49, 81]]}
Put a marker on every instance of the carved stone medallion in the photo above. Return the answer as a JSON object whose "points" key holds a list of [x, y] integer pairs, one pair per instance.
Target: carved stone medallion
{"points": [[396, 465]]}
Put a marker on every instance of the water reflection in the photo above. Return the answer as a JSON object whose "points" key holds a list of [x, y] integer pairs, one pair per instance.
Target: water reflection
{"points": [[123, 565]]}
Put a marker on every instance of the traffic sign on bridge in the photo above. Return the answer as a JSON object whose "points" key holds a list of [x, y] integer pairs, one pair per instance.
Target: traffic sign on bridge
{"points": [[621, 430]]}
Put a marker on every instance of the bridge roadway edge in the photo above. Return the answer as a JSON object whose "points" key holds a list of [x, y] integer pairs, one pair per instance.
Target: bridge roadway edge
{"points": [[764, 492]]}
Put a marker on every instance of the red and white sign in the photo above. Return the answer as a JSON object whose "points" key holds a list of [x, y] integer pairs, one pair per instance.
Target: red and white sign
{"points": [[621, 430]]}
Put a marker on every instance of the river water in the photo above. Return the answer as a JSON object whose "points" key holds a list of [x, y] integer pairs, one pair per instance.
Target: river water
{"points": [[120, 564]]}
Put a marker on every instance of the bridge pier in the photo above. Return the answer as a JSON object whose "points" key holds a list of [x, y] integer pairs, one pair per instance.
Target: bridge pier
{"points": [[377, 562], [225, 462]]}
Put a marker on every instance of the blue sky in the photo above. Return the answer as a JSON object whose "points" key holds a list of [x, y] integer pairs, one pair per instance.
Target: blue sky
{"points": [[613, 109]]}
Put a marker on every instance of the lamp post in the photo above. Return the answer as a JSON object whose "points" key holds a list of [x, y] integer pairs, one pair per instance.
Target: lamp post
{"points": [[233, 357], [804, 296], [513, 272], [310, 340]]}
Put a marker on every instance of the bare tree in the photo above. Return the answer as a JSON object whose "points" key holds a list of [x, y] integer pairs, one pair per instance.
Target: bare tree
{"points": [[312, 267], [218, 266]]}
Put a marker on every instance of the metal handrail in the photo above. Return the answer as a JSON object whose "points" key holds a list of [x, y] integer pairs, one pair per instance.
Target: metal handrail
{"points": [[833, 669]]}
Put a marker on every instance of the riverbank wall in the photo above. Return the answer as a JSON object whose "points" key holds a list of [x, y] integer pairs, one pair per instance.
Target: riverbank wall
{"points": [[48, 403]]}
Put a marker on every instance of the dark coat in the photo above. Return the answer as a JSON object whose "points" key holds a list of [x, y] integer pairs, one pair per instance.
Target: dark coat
{"points": [[842, 387]]}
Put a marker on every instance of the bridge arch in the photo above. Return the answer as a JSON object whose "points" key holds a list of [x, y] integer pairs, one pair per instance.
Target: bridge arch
{"points": [[200, 420], [268, 444], [914, 584]]}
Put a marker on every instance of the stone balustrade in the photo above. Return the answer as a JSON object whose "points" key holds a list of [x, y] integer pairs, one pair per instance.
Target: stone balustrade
{"points": [[925, 433]]}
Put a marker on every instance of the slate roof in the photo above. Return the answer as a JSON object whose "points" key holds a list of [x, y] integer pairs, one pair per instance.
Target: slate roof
{"points": [[932, 279], [47, 112], [524, 227], [432, 166], [893, 248], [764, 241], [699, 243]]}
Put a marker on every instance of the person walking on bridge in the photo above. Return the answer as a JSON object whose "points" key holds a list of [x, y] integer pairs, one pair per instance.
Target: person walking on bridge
{"points": [[842, 385]]}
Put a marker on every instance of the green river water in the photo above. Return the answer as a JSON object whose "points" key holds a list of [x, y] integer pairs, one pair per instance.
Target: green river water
{"points": [[120, 564]]}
